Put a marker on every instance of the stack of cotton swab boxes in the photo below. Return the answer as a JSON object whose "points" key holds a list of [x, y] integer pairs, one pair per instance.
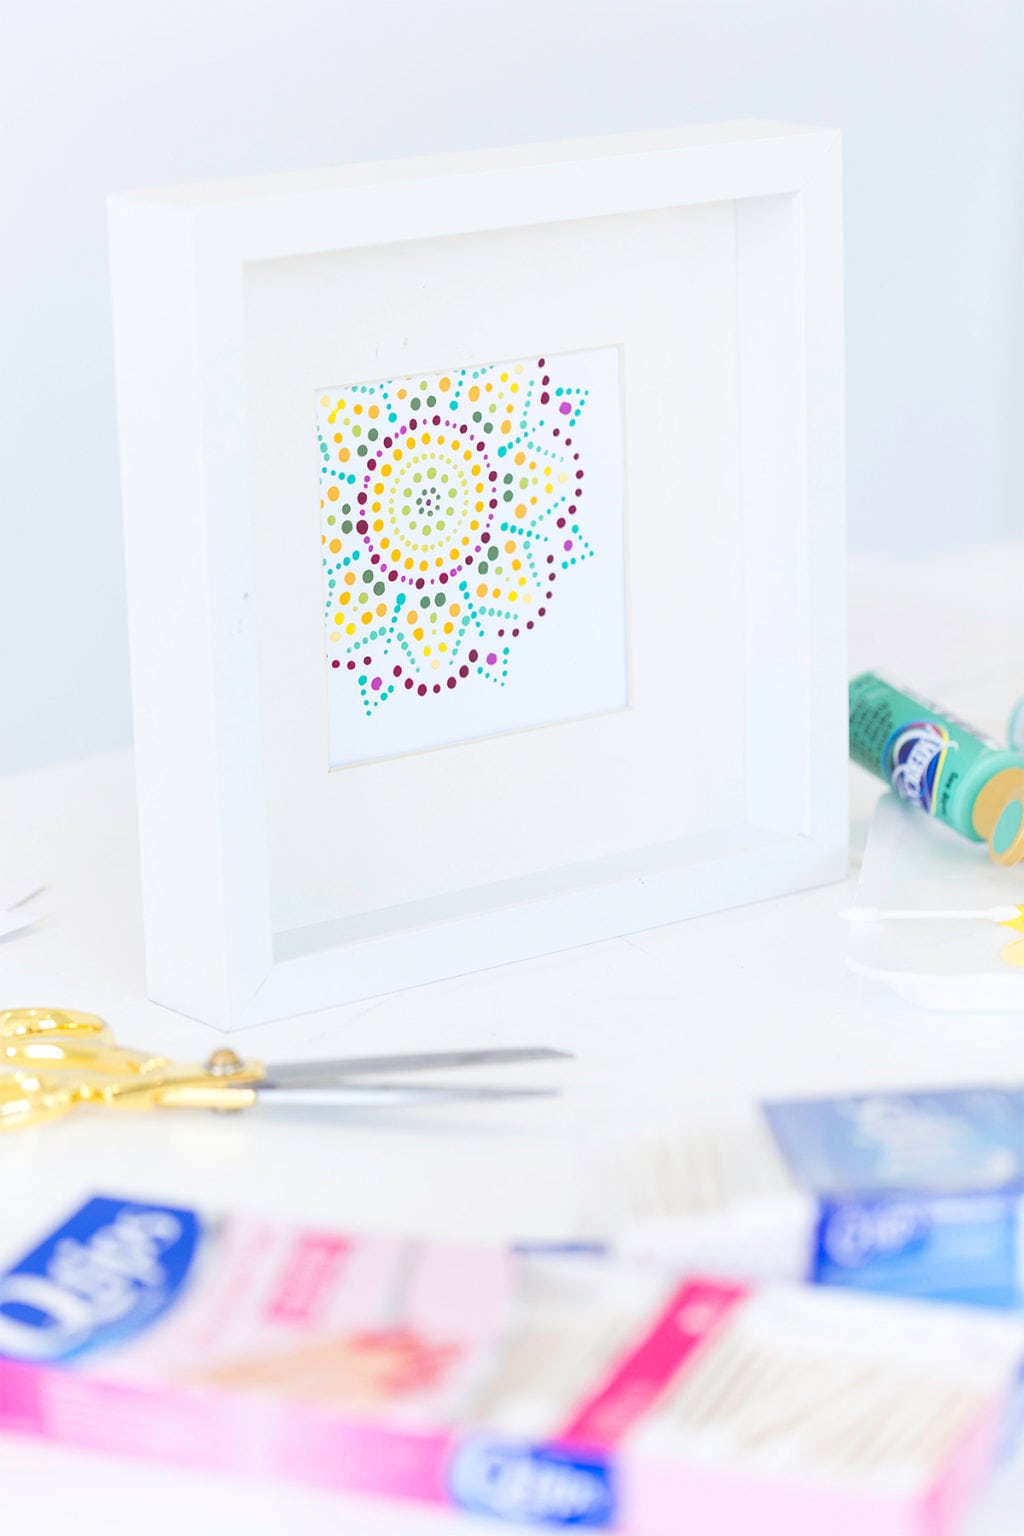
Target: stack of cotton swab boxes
{"points": [[914, 1194]]}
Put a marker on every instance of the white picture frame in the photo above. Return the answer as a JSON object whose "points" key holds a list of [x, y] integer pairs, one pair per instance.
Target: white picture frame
{"points": [[203, 339]]}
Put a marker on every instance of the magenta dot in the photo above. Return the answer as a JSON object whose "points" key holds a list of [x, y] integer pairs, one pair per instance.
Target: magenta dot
{"points": [[491, 658], [375, 684], [567, 544], [565, 407]]}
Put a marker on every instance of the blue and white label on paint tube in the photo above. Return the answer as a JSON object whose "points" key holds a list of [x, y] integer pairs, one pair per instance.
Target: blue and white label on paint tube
{"points": [[531, 1485], [955, 1248], [103, 1276], [962, 1139]]}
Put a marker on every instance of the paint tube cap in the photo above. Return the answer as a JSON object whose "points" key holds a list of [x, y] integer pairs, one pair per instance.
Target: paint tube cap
{"points": [[999, 815]]}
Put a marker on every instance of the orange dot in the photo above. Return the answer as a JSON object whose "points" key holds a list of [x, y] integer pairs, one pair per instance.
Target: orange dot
{"points": [[444, 383], [333, 493], [367, 617], [385, 543], [410, 442], [520, 457], [454, 610], [520, 510], [481, 590], [509, 408], [453, 554], [350, 577], [374, 411], [510, 545], [358, 410], [382, 609], [517, 565], [506, 426], [417, 634], [402, 394], [335, 546], [397, 454], [467, 455], [474, 392], [487, 387], [346, 597], [474, 525], [344, 455], [377, 525], [396, 555], [385, 469], [378, 489], [408, 565], [337, 437], [425, 437], [497, 592], [424, 565]]}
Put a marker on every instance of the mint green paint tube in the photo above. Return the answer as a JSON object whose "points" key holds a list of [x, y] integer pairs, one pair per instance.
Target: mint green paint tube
{"points": [[936, 762]]}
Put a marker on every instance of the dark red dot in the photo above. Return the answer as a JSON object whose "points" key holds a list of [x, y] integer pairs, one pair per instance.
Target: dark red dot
{"points": [[579, 474], [397, 671], [485, 538], [392, 575], [419, 583], [421, 690], [463, 671], [371, 463], [492, 504], [529, 623], [540, 362], [544, 397], [515, 632], [561, 522], [408, 682], [443, 577], [335, 663], [351, 666], [473, 655], [437, 421], [437, 687], [542, 611], [451, 682], [387, 442], [362, 525], [367, 661]]}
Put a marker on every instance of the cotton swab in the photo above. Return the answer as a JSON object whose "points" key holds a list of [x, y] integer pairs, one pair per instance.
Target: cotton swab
{"points": [[1006, 915]]}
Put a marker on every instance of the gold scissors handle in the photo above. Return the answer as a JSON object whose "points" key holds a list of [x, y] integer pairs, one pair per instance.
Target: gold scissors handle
{"points": [[57, 1059]]}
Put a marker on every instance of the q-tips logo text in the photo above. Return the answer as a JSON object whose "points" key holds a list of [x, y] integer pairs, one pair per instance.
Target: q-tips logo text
{"points": [[100, 1278]]}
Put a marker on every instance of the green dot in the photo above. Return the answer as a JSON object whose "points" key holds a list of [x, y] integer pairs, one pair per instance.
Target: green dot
{"points": [[488, 426], [439, 600], [368, 574], [415, 402], [476, 416], [378, 588], [424, 602], [331, 520], [482, 567]]}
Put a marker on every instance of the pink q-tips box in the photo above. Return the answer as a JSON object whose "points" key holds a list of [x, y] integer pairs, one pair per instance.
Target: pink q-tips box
{"points": [[562, 1390]]}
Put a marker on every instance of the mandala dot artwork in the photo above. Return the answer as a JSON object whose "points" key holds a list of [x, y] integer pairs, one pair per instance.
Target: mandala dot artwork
{"points": [[453, 511]]}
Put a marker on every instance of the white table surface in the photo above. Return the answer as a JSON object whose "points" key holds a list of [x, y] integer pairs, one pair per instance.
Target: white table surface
{"points": [[743, 1004]]}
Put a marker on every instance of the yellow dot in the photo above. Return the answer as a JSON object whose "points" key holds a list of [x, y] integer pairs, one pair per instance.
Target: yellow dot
{"points": [[385, 543], [335, 635], [385, 469], [517, 565], [424, 565], [444, 383], [563, 477], [411, 442], [324, 399], [333, 493], [474, 392], [465, 538], [375, 507], [439, 560], [514, 389], [350, 629], [478, 506], [335, 546], [397, 454], [509, 408], [442, 646], [425, 437], [511, 597], [474, 525], [487, 387], [377, 524], [434, 664], [374, 411], [378, 489], [467, 455], [396, 555]]}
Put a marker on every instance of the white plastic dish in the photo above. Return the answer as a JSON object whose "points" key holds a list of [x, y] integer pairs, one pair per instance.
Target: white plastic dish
{"points": [[914, 863]]}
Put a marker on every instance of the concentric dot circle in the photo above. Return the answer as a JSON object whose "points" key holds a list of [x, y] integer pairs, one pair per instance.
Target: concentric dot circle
{"points": [[426, 503]]}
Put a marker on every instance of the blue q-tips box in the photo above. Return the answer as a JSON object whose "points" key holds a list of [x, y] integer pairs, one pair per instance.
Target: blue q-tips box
{"points": [[912, 1194]]}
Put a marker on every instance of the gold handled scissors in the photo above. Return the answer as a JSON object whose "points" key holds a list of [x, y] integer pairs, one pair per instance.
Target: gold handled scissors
{"points": [[53, 1060]]}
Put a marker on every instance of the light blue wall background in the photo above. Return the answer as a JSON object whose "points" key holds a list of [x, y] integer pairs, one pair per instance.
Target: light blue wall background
{"points": [[120, 93]]}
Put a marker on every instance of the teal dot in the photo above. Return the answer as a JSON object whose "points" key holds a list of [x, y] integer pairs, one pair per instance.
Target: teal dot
{"points": [[1007, 827]]}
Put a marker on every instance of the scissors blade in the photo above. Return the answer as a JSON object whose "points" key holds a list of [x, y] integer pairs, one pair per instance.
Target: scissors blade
{"points": [[314, 1073], [375, 1095]]}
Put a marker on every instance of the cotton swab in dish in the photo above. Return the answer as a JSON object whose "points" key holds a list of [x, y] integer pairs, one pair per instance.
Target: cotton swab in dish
{"points": [[1009, 916]]}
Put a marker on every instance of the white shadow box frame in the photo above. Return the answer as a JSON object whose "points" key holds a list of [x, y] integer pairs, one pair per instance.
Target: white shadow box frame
{"points": [[711, 259]]}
